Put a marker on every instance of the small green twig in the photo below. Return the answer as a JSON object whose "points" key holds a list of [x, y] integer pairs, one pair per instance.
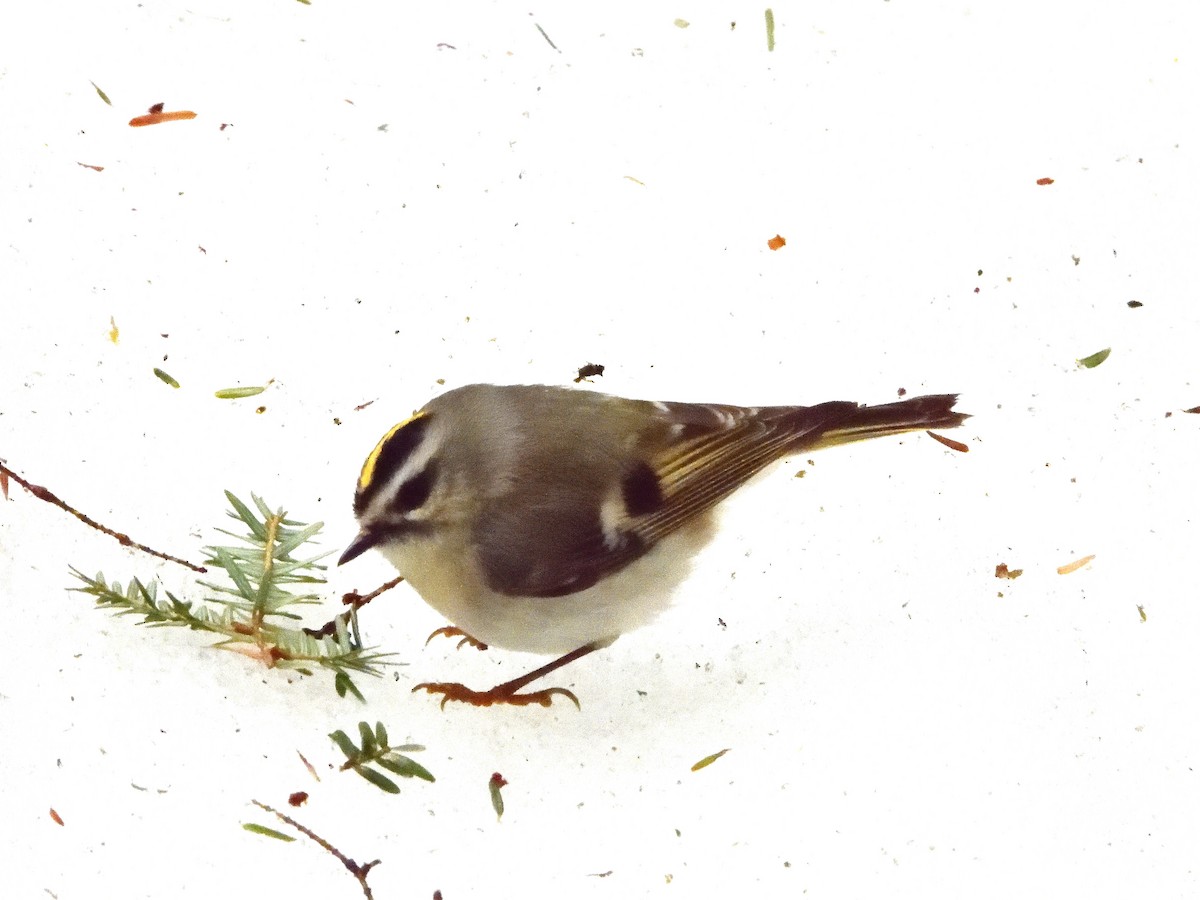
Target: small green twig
{"points": [[375, 751], [546, 36]]}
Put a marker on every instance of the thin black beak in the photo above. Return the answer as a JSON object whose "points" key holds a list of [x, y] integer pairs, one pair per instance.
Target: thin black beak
{"points": [[360, 545]]}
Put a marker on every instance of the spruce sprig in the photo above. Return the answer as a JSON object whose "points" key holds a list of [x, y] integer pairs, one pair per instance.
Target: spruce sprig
{"points": [[254, 614]]}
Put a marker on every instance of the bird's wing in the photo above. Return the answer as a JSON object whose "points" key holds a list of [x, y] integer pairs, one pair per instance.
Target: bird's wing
{"points": [[550, 543], [716, 451]]}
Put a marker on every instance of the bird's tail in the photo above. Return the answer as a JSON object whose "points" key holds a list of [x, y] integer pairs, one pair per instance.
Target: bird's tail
{"points": [[843, 422]]}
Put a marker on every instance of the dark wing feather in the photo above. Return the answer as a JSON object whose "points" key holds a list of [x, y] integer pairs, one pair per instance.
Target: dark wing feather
{"points": [[707, 464]]}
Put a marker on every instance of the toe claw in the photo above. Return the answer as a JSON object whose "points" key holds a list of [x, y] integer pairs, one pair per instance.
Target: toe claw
{"points": [[563, 692]]}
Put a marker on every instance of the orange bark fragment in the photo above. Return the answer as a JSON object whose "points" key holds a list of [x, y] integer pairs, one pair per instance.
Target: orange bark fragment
{"points": [[1078, 564], [156, 118], [947, 442]]}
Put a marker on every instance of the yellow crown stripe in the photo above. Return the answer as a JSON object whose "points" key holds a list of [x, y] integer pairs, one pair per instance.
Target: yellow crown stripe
{"points": [[368, 469]]}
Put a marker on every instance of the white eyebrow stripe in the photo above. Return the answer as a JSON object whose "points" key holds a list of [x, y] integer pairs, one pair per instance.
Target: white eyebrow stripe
{"points": [[414, 465]]}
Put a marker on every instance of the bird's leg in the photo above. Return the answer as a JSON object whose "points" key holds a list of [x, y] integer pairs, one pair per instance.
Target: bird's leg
{"points": [[506, 694]]}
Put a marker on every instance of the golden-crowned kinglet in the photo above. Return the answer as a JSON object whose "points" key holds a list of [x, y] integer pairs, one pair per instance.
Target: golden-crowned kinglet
{"points": [[553, 520]]}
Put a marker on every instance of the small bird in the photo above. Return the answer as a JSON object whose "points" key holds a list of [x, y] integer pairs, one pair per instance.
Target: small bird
{"points": [[553, 520]]}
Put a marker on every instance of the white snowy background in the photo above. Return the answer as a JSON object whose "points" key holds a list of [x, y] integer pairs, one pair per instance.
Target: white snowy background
{"points": [[410, 195]]}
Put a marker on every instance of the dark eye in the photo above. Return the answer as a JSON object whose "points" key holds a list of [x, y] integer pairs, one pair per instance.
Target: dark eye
{"points": [[414, 492]]}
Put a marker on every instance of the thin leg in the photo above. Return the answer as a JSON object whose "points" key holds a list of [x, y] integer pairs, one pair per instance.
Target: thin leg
{"points": [[506, 694]]}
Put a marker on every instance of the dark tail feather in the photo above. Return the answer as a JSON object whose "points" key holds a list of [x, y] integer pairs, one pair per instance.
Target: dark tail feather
{"points": [[845, 422]]}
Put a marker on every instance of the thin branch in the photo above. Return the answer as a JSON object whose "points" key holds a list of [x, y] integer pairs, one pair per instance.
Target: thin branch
{"points": [[355, 601], [125, 540], [358, 871]]}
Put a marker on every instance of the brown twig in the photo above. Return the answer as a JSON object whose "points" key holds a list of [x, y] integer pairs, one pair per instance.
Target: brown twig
{"points": [[125, 540], [355, 601], [358, 871], [358, 602]]}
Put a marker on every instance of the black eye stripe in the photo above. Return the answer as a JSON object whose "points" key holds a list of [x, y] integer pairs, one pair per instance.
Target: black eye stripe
{"points": [[390, 458], [414, 492]]}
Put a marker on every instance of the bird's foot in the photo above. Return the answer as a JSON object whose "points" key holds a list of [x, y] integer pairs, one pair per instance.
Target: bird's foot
{"points": [[451, 632], [502, 695]]}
